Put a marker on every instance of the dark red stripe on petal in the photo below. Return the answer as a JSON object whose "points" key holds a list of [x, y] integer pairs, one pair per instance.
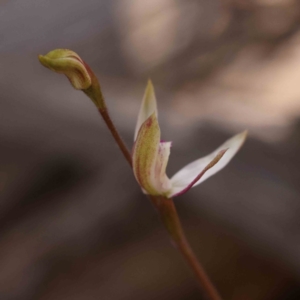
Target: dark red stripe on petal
{"points": [[198, 177]]}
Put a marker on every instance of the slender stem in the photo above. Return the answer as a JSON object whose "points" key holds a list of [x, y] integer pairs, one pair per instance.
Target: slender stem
{"points": [[94, 92], [114, 132], [170, 218]]}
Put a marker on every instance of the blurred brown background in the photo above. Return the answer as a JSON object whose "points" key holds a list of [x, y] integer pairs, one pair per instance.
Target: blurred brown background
{"points": [[73, 222]]}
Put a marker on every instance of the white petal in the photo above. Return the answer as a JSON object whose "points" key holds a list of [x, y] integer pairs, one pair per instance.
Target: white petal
{"points": [[148, 107], [183, 178], [163, 183]]}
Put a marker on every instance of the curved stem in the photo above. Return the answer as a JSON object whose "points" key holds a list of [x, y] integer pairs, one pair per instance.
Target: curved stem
{"points": [[170, 218], [114, 132], [94, 92]]}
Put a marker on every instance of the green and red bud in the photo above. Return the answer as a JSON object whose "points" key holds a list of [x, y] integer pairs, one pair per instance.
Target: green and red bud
{"points": [[80, 75], [69, 63]]}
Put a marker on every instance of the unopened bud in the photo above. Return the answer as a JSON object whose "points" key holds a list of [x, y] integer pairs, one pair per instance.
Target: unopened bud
{"points": [[67, 62]]}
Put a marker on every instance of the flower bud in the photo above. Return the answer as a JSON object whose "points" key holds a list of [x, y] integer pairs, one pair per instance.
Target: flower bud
{"points": [[67, 62]]}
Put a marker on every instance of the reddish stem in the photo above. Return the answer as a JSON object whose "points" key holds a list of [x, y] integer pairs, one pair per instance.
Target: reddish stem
{"points": [[115, 134], [170, 218]]}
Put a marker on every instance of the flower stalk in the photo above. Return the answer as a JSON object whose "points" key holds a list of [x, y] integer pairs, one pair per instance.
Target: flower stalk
{"points": [[170, 218], [109, 123]]}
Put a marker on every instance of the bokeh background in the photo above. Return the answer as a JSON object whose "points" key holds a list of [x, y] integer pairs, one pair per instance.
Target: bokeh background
{"points": [[73, 222]]}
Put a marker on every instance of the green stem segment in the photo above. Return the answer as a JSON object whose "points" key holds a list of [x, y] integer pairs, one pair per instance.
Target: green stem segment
{"points": [[170, 218]]}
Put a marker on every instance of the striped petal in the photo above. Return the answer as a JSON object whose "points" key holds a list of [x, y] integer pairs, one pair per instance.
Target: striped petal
{"points": [[148, 107], [150, 158], [203, 168]]}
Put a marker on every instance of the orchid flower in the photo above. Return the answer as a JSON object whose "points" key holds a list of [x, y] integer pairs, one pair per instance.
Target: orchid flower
{"points": [[150, 155]]}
